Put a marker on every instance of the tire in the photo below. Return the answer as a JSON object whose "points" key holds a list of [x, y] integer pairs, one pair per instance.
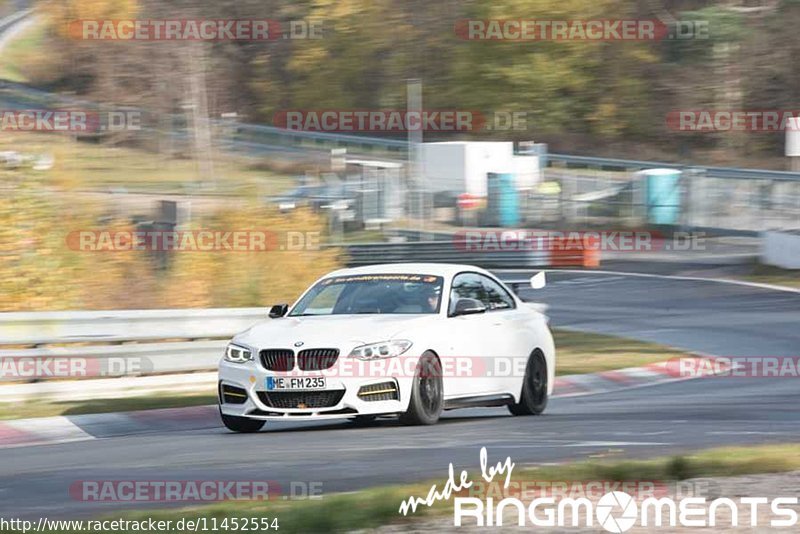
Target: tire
{"points": [[241, 424], [534, 387], [427, 393]]}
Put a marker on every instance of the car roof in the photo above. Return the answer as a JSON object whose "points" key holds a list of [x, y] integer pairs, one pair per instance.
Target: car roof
{"points": [[446, 270]]}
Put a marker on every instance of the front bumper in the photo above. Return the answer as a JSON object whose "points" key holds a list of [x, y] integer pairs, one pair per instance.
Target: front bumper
{"points": [[250, 379]]}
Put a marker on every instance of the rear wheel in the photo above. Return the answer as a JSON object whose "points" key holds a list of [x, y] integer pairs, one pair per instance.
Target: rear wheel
{"points": [[241, 424], [534, 387], [427, 393]]}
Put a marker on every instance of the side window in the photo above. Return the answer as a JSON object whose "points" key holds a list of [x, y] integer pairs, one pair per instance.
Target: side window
{"points": [[498, 297], [467, 286]]}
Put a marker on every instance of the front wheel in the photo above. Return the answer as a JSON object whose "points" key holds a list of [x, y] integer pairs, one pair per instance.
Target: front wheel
{"points": [[427, 393], [241, 424], [534, 387]]}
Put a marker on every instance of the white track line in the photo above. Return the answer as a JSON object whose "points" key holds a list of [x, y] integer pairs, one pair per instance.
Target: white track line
{"points": [[18, 24], [665, 276]]}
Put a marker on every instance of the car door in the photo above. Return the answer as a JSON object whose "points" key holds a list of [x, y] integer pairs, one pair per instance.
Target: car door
{"points": [[469, 341], [510, 339]]}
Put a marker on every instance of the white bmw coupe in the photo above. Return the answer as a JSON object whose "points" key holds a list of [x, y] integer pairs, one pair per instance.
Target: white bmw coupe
{"points": [[408, 340]]}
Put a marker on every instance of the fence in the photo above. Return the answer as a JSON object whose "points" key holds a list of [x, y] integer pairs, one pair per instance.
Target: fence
{"points": [[591, 191], [601, 191]]}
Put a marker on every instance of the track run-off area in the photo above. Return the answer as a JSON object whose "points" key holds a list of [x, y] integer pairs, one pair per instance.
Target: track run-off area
{"points": [[723, 319]]}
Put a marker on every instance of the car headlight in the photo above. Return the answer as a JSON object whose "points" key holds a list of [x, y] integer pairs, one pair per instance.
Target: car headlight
{"points": [[382, 349], [237, 354]]}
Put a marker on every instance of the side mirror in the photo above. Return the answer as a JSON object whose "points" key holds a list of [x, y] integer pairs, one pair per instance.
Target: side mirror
{"points": [[468, 307], [538, 281], [278, 311]]}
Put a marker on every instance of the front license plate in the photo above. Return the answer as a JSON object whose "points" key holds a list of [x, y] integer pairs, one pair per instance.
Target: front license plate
{"points": [[295, 382]]}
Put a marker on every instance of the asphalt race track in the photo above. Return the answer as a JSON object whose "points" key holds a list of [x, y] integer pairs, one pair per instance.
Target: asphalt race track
{"points": [[721, 319], [712, 317]]}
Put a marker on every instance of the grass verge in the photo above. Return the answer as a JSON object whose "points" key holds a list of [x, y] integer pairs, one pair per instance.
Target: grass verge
{"points": [[379, 506], [52, 408], [767, 274], [85, 167], [584, 352]]}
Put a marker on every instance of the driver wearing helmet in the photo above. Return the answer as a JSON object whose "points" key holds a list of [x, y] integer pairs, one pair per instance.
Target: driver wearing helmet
{"points": [[432, 295]]}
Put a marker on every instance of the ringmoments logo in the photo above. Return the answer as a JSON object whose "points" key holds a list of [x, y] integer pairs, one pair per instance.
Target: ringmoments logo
{"points": [[615, 511], [616, 501]]}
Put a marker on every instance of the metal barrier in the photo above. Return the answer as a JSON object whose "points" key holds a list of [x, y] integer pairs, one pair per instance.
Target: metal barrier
{"points": [[115, 360], [256, 137], [134, 342], [40, 328], [513, 253], [631, 164], [442, 252]]}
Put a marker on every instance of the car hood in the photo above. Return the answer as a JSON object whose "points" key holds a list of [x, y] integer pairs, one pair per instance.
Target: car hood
{"points": [[330, 330]]}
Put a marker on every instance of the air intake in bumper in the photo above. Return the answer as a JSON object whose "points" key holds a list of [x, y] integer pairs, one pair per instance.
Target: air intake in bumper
{"points": [[232, 394], [301, 399], [379, 392]]}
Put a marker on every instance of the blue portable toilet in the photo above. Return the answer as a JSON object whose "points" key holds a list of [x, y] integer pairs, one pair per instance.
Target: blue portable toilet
{"points": [[503, 201], [662, 195]]}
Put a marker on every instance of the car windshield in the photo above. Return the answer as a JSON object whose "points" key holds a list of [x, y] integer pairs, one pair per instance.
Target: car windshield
{"points": [[372, 293]]}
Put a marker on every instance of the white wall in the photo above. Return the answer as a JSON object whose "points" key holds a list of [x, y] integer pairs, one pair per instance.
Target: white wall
{"points": [[444, 165], [781, 249], [527, 171], [461, 167]]}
